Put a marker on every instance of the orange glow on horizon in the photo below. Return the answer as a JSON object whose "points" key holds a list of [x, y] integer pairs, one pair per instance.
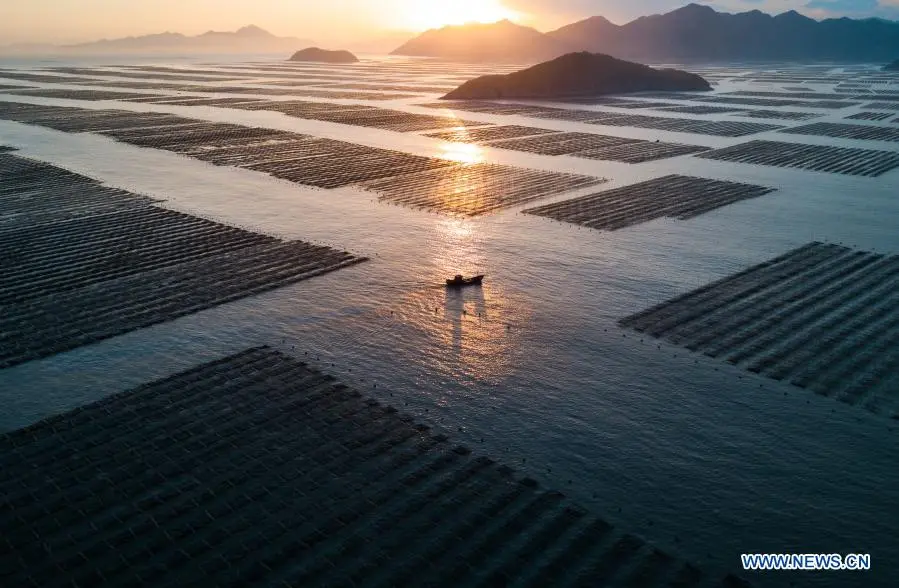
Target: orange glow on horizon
{"points": [[418, 15]]}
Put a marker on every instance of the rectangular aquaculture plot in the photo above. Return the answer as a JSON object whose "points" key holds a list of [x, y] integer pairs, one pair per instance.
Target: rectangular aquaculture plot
{"points": [[750, 101], [882, 106], [640, 152], [777, 114], [495, 133], [86, 262], [391, 88], [822, 317], [681, 197], [823, 158], [33, 193], [684, 125], [476, 189], [870, 116], [489, 107], [189, 138], [257, 469], [392, 120], [561, 143], [699, 109], [42, 78], [81, 120], [194, 101], [618, 103], [586, 145], [293, 149], [846, 131], [81, 94], [792, 93], [334, 164], [299, 108], [830, 104]]}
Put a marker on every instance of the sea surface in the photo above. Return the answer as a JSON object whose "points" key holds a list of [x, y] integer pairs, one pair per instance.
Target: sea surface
{"points": [[698, 456]]}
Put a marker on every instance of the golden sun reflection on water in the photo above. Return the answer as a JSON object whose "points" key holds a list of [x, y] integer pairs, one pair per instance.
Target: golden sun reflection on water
{"points": [[473, 332], [462, 152]]}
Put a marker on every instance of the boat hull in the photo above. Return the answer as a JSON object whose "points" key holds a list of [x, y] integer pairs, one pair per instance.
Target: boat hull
{"points": [[474, 281]]}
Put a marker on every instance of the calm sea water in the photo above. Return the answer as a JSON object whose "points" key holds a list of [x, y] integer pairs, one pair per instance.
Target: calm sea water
{"points": [[698, 456]]}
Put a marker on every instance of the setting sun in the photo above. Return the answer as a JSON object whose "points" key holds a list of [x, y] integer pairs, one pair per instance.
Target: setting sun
{"points": [[418, 15]]}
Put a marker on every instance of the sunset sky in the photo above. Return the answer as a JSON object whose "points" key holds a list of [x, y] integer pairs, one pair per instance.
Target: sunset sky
{"points": [[345, 20]]}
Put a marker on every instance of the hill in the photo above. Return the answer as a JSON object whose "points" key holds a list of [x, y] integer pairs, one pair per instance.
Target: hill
{"points": [[578, 74], [324, 56], [250, 39], [699, 33], [892, 66], [502, 41]]}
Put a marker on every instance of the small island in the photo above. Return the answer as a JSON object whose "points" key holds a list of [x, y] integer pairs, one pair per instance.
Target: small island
{"points": [[892, 66], [324, 56], [579, 75]]}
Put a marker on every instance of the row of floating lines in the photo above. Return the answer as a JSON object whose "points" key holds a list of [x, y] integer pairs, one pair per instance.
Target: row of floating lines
{"points": [[282, 259], [655, 320], [845, 160], [394, 166], [683, 197], [741, 355], [39, 327], [872, 116], [107, 226], [49, 276], [847, 131], [725, 128], [779, 319], [386, 453], [62, 215], [34, 310], [425, 190]]}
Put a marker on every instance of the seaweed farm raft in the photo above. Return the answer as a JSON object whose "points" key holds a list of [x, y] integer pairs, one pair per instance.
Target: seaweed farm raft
{"points": [[823, 158], [289, 478], [673, 196], [822, 317], [585, 145], [65, 285], [473, 189], [597, 117], [847, 131], [476, 189]]}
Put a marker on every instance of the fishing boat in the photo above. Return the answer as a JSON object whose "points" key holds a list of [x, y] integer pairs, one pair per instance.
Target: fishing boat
{"points": [[460, 281]]}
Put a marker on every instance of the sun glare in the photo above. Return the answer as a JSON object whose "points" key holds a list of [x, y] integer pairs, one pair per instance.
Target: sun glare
{"points": [[462, 152], [430, 14]]}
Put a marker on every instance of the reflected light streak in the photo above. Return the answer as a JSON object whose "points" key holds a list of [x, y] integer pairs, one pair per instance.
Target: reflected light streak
{"points": [[462, 152]]}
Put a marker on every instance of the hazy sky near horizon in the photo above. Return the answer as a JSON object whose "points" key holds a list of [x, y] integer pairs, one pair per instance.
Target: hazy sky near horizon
{"points": [[343, 20]]}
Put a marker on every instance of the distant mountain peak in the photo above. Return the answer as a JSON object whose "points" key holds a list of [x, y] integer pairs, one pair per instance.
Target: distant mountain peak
{"points": [[503, 40], [248, 39], [697, 32], [253, 31], [695, 8], [792, 15]]}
